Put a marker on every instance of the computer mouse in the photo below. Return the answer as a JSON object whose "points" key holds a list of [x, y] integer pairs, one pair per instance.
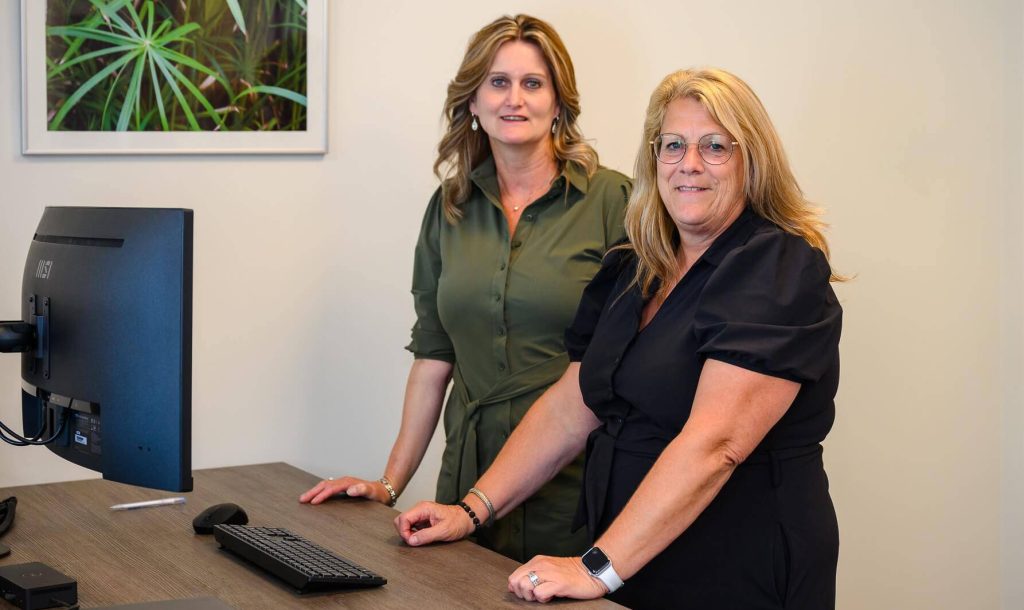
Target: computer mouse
{"points": [[218, 514]]}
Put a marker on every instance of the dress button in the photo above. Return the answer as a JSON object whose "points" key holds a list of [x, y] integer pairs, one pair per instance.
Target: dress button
{"points": [[501, 331], [497, 298], [501, 267], [516, 243], [501, 366]]}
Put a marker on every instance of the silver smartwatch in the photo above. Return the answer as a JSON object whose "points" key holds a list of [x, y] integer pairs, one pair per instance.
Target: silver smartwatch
{"points": [[600, 567]]}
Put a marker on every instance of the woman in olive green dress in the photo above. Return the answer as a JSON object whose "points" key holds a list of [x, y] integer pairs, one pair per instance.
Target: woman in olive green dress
{"points": [[518, 227]]}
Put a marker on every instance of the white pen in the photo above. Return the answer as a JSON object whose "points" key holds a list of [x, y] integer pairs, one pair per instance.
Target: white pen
{"points": [[148, 503]]}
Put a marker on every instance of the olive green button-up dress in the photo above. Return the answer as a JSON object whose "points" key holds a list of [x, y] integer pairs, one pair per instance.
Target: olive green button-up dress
{"points": [[497, 306]]}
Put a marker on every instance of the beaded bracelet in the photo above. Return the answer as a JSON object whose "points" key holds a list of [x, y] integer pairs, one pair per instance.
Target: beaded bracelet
{"points": [[472, 515], [391, 490]]}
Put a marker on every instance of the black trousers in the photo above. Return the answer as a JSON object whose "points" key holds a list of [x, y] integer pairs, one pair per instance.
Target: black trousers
{"points": [[768, 541]]}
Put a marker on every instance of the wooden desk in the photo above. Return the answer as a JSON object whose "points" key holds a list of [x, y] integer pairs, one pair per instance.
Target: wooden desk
{"points": [[152, 554]]}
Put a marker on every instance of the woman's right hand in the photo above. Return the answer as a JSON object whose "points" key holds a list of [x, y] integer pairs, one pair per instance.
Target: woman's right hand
{"points": [[429, 522], [350, 486]]}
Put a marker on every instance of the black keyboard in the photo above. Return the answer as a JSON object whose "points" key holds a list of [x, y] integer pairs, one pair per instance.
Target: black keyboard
{"points": [[300, 563]]}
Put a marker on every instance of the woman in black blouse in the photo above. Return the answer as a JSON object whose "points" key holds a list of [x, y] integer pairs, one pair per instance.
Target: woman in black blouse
{"points": [[705, 363]]}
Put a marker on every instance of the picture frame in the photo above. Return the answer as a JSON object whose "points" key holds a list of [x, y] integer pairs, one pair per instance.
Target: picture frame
{"points": [[40, 138]]}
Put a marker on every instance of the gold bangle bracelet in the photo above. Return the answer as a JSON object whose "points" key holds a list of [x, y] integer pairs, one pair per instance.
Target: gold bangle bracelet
{"points": [[391, 490]]}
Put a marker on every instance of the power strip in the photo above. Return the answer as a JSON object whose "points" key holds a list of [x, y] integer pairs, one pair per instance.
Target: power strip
{"points": [[34, 586]]}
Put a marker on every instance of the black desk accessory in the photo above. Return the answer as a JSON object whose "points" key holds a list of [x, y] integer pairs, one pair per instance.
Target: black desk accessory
{"points": [[6, 521], [219, 514], [305, 565], [33, 586], [7, 509]]}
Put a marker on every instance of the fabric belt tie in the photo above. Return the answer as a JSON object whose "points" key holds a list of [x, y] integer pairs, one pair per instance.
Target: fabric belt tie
{"points": [[597, 468], [775, 457], [522, 382]]}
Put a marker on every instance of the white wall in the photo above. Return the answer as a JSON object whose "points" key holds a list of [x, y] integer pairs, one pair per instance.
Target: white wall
{"points": [[902, 118]]}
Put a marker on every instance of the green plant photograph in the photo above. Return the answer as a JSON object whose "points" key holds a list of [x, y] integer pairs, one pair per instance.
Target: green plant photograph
{"points": [[176, 65]]}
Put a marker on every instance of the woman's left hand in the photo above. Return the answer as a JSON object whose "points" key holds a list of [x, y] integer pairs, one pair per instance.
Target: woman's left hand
{"points": [[557, 577]]}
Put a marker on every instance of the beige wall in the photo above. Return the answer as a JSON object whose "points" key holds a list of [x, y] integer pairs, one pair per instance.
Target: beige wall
{"points": [[1013, 335], [902, 118]]}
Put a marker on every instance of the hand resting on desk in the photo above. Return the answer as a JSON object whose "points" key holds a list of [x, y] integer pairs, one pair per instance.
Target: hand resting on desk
{"points": [[349, 486], [429, 522], [558, 577]]}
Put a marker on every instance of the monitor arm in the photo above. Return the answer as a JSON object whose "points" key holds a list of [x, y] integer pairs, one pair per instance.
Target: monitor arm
{"points": [[17, 337], [30, 337]]}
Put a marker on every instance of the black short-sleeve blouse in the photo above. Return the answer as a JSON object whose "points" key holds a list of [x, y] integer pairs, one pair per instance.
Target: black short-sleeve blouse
{"points": [[758, 298]]}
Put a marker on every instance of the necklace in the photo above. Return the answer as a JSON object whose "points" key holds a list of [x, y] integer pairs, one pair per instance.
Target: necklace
{"points": [[534, 194]]}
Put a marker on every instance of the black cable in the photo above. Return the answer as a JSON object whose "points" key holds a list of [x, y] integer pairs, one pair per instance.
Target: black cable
{"points": [[21, 441], [64, 604], [8, 508]]}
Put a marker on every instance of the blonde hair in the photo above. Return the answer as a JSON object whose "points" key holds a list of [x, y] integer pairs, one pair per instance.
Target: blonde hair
{"points": [[461, 148], [770, 188]]}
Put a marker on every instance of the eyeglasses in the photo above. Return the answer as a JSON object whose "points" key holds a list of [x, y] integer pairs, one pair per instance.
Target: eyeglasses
{"points": [[714, 148]]}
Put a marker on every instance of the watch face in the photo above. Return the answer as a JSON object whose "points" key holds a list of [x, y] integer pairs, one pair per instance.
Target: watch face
{"points": [[595, 560]]}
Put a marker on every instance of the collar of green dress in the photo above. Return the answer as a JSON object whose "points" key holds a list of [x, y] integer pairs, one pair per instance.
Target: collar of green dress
{"points": [[485, 177]]}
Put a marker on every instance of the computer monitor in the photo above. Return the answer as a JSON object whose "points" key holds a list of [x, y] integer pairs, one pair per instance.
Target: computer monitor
{"points": [[106, 335]]}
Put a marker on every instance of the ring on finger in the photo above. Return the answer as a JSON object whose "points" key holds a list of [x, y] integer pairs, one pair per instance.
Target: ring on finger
{"points": [[534, 579], [330, 478]]}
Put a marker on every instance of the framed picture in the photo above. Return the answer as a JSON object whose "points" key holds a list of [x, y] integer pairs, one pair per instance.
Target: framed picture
{"points": [[172, 77]]}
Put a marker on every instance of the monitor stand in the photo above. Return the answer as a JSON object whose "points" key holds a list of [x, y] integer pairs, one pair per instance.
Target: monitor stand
{"points": [[17, 336]]}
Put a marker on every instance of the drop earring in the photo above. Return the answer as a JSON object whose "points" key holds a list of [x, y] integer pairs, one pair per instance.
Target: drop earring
{"points": [[474, 125], [554, 125]]}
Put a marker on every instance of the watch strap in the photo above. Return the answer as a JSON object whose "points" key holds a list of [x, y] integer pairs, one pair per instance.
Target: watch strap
{"points": [[606, 573], [610, 578]]}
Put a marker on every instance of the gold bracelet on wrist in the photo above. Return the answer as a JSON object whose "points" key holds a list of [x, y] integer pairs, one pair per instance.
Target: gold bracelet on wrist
{"points": [[391, 490]]}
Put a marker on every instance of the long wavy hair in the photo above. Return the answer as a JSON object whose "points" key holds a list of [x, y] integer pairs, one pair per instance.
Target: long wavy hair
{"points": [[769, 187], [461, 148]]}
